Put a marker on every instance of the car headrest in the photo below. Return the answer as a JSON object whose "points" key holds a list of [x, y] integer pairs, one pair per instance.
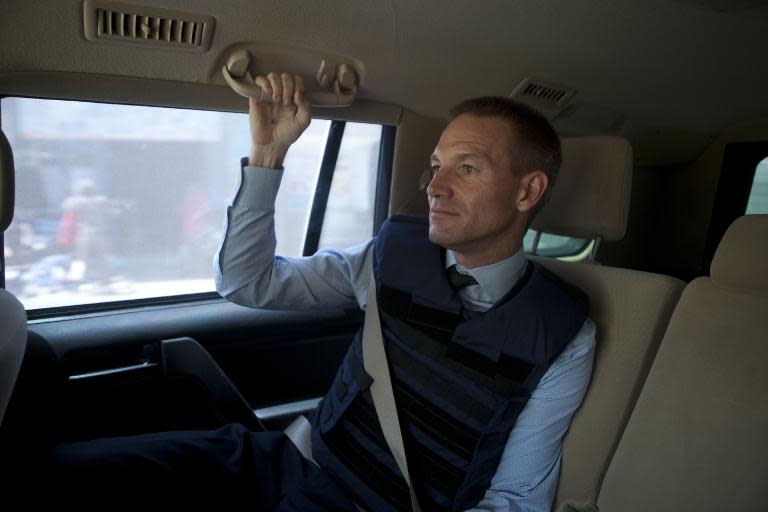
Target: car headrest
{"points": [[6, 183], [592, 191], [741, 259]]}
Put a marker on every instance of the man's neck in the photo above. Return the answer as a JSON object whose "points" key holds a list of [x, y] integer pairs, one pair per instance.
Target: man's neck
{"points": [[481, 259]]}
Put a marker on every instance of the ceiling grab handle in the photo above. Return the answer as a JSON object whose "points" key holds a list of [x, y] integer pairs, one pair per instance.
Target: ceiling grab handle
{"points": [[344, 83]]}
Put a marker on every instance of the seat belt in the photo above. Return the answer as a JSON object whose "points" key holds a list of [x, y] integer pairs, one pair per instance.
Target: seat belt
{"points": [[375, 363], [300, 434]]}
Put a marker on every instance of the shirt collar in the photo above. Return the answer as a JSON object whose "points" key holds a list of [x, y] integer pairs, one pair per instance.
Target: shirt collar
{"points": [[496, 279]]}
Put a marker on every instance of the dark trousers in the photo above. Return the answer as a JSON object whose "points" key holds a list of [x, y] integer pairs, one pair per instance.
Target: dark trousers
{"points": [[263, 470]]}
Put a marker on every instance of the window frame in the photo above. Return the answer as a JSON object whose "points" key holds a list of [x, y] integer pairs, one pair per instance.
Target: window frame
{"points": [[311, 235], [384, 176]]}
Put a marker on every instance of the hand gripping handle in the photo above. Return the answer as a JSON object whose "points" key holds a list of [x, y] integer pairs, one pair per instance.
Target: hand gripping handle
{"points": [[344, 86]]}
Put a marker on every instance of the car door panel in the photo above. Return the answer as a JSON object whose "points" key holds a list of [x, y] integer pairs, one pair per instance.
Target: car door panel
{"points": [[109, 365]]}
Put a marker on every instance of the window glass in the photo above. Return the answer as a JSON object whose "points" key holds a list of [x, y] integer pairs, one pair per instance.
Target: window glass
{"points": [[117, 202], [554, 245], [297, 188], [349, 215], [758, 196]]}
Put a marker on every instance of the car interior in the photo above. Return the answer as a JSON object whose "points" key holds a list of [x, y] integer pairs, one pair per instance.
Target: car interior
{"points": [[123, 126]]}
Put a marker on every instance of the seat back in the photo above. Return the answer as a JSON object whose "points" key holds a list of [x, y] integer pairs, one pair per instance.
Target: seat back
{"points": [[13, 341], [13, 317], [630, 309], [697, 437]]}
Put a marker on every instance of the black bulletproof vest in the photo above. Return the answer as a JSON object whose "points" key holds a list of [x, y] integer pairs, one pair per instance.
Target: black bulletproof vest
{"points": [[460, 377]]}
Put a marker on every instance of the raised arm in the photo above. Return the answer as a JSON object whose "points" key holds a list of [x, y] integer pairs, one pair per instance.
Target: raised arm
{"points": [[247, 270]]}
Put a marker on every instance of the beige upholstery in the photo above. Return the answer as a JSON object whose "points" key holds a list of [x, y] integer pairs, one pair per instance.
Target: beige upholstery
{"points": [[737, 268], [13, 341], [592, 192], [13, 317], [697, 437], [631, 310]]}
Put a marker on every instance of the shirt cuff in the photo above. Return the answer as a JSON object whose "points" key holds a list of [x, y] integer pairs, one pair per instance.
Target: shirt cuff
{"points": [[258, 186]]}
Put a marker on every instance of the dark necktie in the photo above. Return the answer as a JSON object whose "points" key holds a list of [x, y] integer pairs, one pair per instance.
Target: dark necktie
{"points": [[459, 280]]}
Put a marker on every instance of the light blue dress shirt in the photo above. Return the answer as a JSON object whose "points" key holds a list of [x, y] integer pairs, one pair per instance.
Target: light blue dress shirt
{"points": [[248, 273]]}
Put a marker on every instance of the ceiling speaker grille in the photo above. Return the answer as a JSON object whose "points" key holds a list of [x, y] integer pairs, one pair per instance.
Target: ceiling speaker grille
{"points": [[123, 23]]}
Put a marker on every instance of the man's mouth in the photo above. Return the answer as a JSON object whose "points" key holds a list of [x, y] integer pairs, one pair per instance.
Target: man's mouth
{"points": [[440, 211]]}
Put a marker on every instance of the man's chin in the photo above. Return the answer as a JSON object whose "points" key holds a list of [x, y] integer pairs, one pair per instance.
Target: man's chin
{"points": [[440, 237]]}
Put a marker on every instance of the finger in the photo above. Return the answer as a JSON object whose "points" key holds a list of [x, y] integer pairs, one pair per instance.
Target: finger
{"points": [[277, 87], [299, 97], [298, 90], [264, 84], [287, 88]]}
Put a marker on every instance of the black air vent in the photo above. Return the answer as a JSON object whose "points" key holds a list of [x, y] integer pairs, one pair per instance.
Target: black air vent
{"points": [[543, 92], [542, 95], [119, 24], [123, 23]]}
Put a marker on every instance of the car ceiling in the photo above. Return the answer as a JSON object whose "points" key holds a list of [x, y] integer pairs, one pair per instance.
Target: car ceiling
{"points": [[668, 74]]}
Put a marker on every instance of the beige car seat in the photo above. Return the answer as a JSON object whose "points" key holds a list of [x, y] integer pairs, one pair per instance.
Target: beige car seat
{"points": [[13, 317], [631, 309], [697, 437]]}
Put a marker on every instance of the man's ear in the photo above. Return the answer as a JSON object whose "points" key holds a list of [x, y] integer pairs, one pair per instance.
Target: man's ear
{"points": [[532, 187]]}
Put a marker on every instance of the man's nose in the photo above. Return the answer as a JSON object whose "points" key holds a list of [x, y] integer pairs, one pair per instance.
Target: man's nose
{"points": [[440, 184]]}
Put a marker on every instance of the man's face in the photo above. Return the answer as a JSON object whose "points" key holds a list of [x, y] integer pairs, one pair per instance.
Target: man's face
{"points": [[473, 190]]}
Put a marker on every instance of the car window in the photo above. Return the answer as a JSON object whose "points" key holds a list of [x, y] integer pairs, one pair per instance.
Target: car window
{"points": [[122, 202], [349, 214], [556, 246], [758, 195]]}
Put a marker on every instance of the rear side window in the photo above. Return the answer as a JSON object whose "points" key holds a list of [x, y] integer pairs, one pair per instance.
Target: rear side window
{"points": [[556, 246], [353, 190], [117, 202], [758, 195]]}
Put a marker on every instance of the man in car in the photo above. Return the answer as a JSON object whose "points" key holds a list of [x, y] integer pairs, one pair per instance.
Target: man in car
{"points": [[489, 355], [484, 398]]}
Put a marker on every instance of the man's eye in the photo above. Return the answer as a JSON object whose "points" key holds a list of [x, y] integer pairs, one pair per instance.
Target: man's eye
{"points": [[468, 169], [433, 170]]}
